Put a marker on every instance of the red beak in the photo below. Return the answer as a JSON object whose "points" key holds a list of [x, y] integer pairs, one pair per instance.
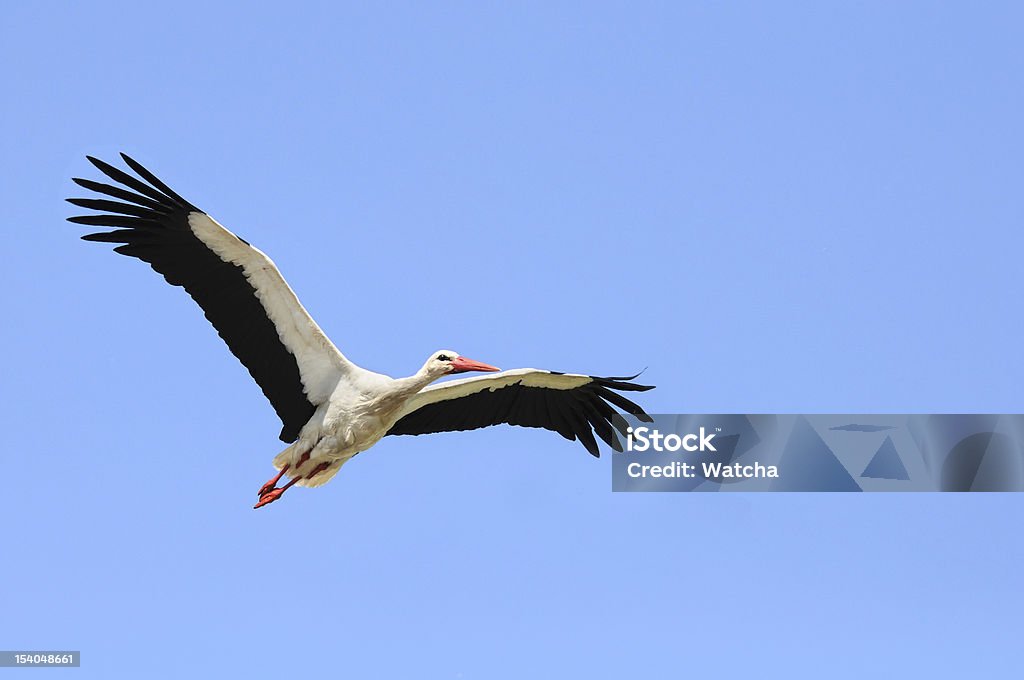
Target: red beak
{"points": [[462, 365]]}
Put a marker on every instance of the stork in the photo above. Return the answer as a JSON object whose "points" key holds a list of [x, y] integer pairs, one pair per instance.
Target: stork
{"points": [[331, 409]]}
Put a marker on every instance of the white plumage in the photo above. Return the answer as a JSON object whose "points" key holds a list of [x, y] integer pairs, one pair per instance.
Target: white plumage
{"points": [[330, 408], [321, 365]]}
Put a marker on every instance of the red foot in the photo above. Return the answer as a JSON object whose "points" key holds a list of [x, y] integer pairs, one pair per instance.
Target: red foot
{"points": [[273, 494], [268, 497], [266, 488]]}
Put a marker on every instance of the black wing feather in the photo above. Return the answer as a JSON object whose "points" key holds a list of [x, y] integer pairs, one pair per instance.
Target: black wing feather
{"points": [[153, 226], [576, 413], [117, 192]]}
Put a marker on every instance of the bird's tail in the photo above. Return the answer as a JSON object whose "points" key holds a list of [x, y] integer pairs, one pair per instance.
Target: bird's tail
{"points": [[322, 477], [292, 456]]}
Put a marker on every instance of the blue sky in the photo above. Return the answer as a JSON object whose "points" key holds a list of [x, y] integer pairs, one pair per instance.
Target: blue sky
{"points": [[775, 207]]}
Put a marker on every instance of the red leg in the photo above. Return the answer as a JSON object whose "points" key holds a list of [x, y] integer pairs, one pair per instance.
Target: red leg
{"points": [[318, 469], [266, 488], [269, 486], [272, 494]]}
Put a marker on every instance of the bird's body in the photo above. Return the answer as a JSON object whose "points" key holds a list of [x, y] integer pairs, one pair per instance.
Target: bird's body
{"points": [[357, 415], [331, 409]]}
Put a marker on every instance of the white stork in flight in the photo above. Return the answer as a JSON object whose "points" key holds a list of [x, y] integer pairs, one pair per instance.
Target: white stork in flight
{"points": [[331, 408]]}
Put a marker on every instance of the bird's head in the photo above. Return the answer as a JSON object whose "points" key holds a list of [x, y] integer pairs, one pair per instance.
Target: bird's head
{"points": [[445, 362]]}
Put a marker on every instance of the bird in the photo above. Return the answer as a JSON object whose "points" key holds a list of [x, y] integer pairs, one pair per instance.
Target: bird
{"points": [[330, 408]]}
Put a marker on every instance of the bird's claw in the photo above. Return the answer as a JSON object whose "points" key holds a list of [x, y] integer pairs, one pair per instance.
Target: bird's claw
{"points": [[268, 497], [267, 488]]}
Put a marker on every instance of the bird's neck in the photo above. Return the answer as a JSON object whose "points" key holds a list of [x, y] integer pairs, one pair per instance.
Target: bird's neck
{"points": [[413, 384]]}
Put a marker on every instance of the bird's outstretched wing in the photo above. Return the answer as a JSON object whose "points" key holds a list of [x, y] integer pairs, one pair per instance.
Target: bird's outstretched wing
{"points": [[574, 406], [241, 291]]}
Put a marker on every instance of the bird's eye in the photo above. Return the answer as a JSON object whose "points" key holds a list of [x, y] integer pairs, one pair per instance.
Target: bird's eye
{"points": [[443, 357]]}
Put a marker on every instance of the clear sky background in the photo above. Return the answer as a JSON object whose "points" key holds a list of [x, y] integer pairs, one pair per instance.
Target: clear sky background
{"points": [[775, 207]]}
